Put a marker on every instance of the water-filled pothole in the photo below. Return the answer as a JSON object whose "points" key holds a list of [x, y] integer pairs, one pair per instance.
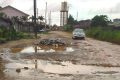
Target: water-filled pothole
{"points": [[56, 67], [40, 49]]}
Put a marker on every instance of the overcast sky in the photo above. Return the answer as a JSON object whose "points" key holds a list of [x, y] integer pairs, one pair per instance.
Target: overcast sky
{"points": [[86, 9]]}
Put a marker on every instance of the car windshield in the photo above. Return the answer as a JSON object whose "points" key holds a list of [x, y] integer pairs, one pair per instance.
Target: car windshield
{"points": [[78, 30]]}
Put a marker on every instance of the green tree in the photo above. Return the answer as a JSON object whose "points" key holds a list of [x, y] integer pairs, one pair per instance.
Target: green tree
{"points": [[31, 18], [70, 24], [24, 19], [41, 18], [3, 14], [68, 27], [71, 20], [101, 20], [15, 19]]}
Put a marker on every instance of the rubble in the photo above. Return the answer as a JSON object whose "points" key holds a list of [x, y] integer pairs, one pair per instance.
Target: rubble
{"points": [[52, 42]]}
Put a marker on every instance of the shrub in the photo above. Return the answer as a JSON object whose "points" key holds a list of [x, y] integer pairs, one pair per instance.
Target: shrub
{"points": [[105, 34], [68, 28], [21, 35], [2, 40]]}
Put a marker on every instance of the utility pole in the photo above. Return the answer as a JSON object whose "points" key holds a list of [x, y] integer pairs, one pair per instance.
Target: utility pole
{"points": [[77, 16], [50, 19], [37, 12], [46, 15], [35, 26], [35, 29]]}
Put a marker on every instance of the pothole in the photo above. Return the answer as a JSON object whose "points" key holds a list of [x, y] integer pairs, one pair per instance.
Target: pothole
{"points": [[41, 49], [56, 67], [107, 72], [45, 45]]}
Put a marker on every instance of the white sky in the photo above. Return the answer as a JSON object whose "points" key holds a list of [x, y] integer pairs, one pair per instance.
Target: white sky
{"points": [[87, 9]]}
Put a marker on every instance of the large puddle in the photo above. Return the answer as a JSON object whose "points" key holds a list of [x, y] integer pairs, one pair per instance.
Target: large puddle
{"points": [[34, 67], [41, 49], [55, 67]]}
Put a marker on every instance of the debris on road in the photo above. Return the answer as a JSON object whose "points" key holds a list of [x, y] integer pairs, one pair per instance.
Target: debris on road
{"points": [[52, 41]]}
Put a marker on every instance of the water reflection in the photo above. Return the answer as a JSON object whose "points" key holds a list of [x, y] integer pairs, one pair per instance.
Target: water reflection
{"points": [[2, 77], [41, 49], [36, 63], [57, 67]]}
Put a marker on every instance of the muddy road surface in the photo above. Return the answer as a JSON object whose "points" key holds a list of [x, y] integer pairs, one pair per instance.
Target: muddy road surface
{"points": [[87, 59]]}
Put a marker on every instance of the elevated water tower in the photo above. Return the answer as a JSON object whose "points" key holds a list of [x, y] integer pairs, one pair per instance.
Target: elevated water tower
{"points": [[63, 13]]}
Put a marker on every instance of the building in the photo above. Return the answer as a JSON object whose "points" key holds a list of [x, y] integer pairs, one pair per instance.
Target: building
{"points": [[116, 20], [18, 24], [115, 23], [5, 22], [83, 24], [12, 12]]}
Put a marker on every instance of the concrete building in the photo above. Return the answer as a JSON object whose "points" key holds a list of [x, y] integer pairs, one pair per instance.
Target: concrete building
{"points": [[116, 20], [115, 23], [83, 24], [63, 14], [11, 11], [19, 25]]}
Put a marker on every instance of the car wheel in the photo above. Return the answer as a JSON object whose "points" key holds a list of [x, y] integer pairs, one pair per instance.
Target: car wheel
{"points": [[73, 38], [83, 38]]}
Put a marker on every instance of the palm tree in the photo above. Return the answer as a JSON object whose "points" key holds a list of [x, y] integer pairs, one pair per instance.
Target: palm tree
{"points": [[16, 23], [23, 18], [41, 18], [32, 18]]}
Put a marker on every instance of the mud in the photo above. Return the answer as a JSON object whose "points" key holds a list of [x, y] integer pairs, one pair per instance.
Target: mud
{"points": [[82, 60]]}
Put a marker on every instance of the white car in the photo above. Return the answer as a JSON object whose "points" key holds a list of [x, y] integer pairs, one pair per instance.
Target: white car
{"points": [[78, 33]]}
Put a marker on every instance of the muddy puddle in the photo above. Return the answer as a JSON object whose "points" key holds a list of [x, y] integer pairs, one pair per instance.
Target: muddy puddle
{"points": [[41, 49], [30, 67]]}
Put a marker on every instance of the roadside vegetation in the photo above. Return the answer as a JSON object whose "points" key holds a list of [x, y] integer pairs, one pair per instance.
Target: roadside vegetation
{"points": [[104, 34], [71, 22], [8, 32], [100, 30], [12, 34]]}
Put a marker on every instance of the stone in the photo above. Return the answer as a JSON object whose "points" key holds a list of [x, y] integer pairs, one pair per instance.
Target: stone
{"points": [[18, 70], [26, 68]]}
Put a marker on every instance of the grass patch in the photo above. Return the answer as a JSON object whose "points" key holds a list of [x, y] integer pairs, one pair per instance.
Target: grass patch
{"points": [[44, 32], [2, 40], [104, 34]]}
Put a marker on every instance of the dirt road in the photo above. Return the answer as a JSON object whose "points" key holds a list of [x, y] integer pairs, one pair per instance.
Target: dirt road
{"points": [[82, 60]]}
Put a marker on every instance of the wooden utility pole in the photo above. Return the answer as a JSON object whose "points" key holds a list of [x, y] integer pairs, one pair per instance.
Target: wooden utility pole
{"points": [[35, 26]]}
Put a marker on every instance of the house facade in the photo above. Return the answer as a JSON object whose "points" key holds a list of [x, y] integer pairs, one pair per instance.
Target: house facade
{"points": [[12, 12], [5, 22], [19, 25]]}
